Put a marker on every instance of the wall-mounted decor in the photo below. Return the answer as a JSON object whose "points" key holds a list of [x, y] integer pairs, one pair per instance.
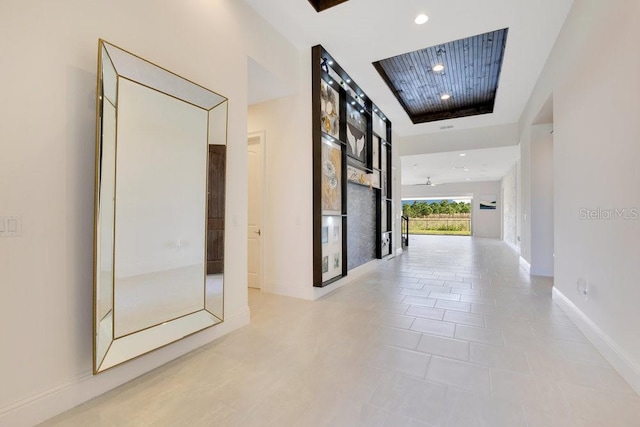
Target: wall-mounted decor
{"points": [[330, 107], [375, 152], [331, 178], [375, 179], [358, 176], [351, 145], [159, 237], [488, 202], [384, 169], [332, 249], [379, 125], [356, 134], [383, 217], [385, 244]]}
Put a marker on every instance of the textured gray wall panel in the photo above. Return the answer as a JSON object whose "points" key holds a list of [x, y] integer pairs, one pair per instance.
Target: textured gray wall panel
{"points": [[361, 225]]}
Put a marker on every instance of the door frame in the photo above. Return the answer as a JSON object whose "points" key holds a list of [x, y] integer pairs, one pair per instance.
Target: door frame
{"points": [[261, 135]]}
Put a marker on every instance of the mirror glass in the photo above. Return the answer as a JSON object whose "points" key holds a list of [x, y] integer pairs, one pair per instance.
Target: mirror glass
{"points": [[159, 207]]}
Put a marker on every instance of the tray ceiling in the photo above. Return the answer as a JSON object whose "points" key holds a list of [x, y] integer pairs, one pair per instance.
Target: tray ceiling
{"points": [[320, 5], [465, 84], [360, 32]]}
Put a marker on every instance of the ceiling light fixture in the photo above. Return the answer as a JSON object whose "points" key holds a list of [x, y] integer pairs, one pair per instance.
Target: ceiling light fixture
{"points": [[438, 67], [445, 96], [462, 154], [421, 19]]}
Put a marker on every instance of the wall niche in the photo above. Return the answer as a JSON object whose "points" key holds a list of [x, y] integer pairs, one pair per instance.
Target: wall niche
{"points": [[352, 200]]}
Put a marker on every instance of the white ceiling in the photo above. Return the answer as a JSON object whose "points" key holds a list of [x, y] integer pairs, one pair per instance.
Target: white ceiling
{"points": [[488, 164], [263, 84], [359, 32]]}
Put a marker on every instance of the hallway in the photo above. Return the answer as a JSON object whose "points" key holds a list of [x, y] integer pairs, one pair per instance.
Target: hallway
{"points": [[452, 333]]}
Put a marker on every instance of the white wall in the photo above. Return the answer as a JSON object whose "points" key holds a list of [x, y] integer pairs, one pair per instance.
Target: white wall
{"points": [[542, 200], [596, 151], [396, 166], [47, 128], [287, 238], [485, 223], [509, 191], [288, 229]]}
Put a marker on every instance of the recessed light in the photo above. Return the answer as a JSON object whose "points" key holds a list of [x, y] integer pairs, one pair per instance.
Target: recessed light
{"points": [[375, 109], [330, 62], [468, 179], [466, 169], [353, 102], [348, 80], [445, 96], [438, 67], [421, 19], [462, 154]]}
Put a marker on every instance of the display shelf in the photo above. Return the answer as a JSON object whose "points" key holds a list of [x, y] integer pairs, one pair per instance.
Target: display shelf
{"points": [[345, 124]]}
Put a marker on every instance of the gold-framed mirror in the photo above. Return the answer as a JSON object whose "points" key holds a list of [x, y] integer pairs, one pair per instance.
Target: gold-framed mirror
{"points": [[159, 207]]}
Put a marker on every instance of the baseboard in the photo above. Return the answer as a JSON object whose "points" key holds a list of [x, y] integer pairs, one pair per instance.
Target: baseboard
{"points": [[616, 356], [524, 264], [513, 246], [540, 272], [300, 292], [62, 397], [312, 293], [353, 275]]}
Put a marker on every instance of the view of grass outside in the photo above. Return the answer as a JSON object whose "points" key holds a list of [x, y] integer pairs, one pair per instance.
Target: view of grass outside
{"points": [[447, 217]]}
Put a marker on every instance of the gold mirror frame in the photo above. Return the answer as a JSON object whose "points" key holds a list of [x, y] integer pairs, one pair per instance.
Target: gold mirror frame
{"points": [[152, 289]]}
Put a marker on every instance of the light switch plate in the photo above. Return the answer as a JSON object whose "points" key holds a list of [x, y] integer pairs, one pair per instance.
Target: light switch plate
{"points": [[10, 226]]}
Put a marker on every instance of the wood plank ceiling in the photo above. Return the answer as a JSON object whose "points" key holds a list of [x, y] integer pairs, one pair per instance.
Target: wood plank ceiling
{"points": [[320, 5], [470, 77]]}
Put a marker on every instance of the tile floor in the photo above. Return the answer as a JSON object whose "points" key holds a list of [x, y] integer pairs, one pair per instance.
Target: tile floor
{"points": [[452, 333]]}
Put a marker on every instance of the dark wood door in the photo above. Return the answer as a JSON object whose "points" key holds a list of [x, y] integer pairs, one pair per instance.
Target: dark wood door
{"points": [[215, 208]]}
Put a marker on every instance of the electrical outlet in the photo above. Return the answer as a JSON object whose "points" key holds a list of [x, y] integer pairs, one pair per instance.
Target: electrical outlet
{"points": [[582, 287], [10, 226]]}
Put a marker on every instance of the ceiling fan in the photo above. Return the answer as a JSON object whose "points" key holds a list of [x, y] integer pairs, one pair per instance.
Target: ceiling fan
{"points": [[428, 183]]}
